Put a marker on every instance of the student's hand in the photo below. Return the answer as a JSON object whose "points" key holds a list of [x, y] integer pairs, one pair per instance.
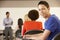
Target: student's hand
{"points": [[45, 35]]}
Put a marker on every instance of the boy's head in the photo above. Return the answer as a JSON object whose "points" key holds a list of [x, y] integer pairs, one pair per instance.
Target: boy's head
{"points": [[44, 3], [44, 8], [33, 15]]}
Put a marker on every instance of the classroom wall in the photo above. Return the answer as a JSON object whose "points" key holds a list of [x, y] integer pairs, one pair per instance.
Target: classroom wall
{"points": [[16, 13], [27, 3], [18, 9]]}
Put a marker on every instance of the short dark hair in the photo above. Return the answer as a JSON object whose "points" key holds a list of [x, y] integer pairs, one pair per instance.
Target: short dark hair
{"points": [[7, 13], [44, 3], [33, 14]]}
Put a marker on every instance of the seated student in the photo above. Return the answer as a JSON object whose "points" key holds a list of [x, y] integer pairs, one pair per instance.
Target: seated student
{"points": [[31, 23], [26, 18], [52, 22], [18, 32]]}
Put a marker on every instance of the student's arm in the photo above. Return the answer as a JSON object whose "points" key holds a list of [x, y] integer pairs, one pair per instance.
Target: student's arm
{"points": [[11, 22], [49, 28], [4, 22], [45, 35]]}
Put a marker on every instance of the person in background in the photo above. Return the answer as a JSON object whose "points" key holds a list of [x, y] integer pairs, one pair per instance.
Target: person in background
{"points": [[52, 23], [26, 18], [31, 23], [19, 28], [8, 22]]}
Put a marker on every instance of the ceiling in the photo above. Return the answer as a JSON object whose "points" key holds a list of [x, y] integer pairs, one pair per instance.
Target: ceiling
{"points": [[27, 3]]}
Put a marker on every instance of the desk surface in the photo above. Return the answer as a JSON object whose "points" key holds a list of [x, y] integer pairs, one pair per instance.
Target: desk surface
{"points": [[35, 36]]}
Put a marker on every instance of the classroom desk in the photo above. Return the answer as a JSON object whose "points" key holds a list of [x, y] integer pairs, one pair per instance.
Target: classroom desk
{"points": [[34, 37], [31, 37]]}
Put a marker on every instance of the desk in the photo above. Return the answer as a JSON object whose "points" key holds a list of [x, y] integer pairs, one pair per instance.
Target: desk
{"points": [[35, 36]]}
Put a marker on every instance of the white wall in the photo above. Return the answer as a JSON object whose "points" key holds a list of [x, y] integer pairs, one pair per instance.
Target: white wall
{"points": [[16, 13], [27, 3]]}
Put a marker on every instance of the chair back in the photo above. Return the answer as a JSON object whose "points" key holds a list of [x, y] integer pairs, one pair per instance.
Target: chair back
{"points": [[56, 37], [31, 32]]}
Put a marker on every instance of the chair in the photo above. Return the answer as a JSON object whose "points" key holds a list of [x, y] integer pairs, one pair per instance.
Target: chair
{"points": [[18, 34], [31, 32], [27, 39], [56, 37]]}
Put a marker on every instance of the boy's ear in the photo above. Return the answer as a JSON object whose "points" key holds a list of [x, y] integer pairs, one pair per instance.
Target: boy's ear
{"points": [[49, 8]]}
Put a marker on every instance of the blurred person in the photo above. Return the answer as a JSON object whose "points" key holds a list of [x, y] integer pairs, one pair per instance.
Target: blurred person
{"points": [[30, 22], [8, 22], [26, 18], [52, 23], [19, 28]]}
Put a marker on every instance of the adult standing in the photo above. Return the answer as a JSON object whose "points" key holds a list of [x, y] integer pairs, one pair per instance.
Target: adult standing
{"points": [[8, 22]]}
